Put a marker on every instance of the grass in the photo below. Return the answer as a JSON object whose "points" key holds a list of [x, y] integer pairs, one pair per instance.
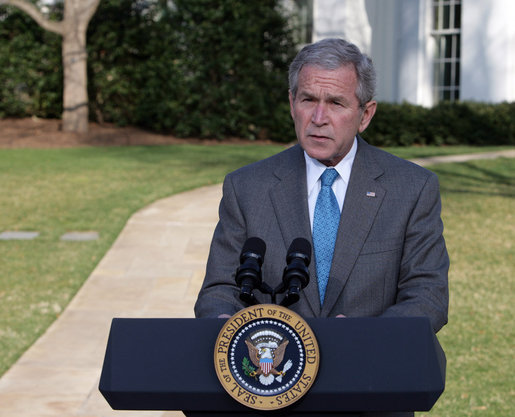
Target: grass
{"points": [[428, 151], [61, 190], [479, 215], [85, 189]]}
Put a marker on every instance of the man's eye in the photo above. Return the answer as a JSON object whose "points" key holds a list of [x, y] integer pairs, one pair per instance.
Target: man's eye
{"points": [[337, 103]]}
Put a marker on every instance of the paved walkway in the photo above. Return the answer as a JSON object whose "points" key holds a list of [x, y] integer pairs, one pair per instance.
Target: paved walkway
{"points": [[463, 158], [154, 269]]}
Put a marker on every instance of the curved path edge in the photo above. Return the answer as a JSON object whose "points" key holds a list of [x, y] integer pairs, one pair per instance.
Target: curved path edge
{"points": [[154, 269]]}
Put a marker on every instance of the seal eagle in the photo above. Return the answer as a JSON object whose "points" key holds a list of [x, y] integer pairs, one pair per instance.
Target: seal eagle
{"points": [[267, 356]]}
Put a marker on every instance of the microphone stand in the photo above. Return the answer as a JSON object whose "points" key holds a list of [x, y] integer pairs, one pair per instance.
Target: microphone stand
{"points": [[295, 275]]}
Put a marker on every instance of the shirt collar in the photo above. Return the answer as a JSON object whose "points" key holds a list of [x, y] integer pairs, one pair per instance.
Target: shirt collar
{"points": [[314, 168]]}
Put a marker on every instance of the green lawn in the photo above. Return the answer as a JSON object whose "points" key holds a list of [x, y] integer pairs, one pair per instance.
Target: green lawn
{"points": [[428, 151], [479, 217], [97, 189], [55, 191]]}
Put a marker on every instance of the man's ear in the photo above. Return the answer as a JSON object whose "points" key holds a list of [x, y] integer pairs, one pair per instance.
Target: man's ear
{"points": [[366, 116]]}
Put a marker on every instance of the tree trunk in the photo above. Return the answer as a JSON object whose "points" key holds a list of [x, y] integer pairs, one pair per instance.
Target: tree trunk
{"points": [[77, 14], [75, 92], [73, 27]]}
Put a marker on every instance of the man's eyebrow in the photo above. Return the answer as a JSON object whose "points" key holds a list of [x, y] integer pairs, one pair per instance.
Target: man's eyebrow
{"points": [[329, 98], [305, 93], [340, 99]]}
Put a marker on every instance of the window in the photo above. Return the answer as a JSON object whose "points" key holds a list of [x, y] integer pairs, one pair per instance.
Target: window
{"points": [[446, 31]]}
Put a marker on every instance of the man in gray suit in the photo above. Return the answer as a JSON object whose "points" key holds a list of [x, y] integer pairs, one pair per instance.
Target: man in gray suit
{"points": [[389, 256]]}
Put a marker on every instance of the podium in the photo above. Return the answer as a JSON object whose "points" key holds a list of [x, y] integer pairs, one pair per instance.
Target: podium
{"points": [[366, 364]]}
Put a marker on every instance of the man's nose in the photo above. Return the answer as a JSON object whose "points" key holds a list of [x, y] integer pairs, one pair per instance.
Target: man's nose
{"points": [[319, 116]]}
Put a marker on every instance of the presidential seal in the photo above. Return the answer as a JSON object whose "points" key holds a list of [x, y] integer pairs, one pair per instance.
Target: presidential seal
{"points": [[266, 357]]}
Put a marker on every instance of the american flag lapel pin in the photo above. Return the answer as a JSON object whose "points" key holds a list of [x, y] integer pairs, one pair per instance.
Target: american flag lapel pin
{"points": [[371, 194]]}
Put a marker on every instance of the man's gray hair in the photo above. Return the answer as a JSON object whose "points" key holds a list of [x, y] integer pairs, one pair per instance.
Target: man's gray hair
{"points": [[331, 54]]}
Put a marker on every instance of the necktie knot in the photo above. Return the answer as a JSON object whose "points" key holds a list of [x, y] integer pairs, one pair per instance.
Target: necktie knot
{"points": [[328, 177]]}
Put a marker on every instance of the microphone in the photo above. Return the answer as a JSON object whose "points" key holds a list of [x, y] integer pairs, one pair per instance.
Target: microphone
{"points": [[296, 274], [248, 274]]}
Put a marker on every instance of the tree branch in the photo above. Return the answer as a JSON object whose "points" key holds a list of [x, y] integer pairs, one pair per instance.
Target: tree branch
{"points": [[33, 11], [92, 8]]}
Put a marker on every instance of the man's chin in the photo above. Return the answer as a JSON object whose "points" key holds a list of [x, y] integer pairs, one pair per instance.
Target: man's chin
{"points": [[326, 158], [323, 158], [318, 152]]}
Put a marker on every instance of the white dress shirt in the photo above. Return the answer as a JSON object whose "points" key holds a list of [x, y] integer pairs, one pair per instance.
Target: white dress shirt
{"points": [[314, 170]]}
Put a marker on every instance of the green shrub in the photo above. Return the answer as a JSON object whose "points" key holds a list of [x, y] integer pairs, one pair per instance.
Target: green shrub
{"points": [[467, 123], [192, 67], [118, 35], [30, 68], [205, 68], [200, 68]]}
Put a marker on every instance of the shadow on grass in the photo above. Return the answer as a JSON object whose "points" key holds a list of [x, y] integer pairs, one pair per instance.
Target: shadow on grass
{"points": [[488, 178]]}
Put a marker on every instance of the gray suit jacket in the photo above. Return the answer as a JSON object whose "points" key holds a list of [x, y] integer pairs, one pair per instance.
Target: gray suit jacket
{"points": [[390, 257]]}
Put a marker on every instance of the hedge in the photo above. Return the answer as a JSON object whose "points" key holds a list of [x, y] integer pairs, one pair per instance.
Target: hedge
{"points": [[30, 68], [205, 68], [448, 123]]}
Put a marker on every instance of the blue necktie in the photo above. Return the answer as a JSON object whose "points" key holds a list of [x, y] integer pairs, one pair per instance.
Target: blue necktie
{"points": [[325, 229]]}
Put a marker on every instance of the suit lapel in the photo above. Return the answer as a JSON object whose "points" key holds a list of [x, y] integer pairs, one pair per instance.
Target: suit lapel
{"points": [[289, 198], [362, 201]]}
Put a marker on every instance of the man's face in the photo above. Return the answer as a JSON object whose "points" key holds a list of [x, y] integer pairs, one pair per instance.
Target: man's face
{"points": [[327, 113]]}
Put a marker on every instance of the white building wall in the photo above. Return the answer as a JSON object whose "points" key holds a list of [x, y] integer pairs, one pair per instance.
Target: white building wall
{"points": [[393, 32], [400, 48], [397, 35], [414, 66], [385, 52], [342, 19], [488, 50]]}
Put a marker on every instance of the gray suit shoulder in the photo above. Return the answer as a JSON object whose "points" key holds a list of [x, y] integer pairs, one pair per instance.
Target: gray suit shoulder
{"points": [[283, 161], [397, 166]]}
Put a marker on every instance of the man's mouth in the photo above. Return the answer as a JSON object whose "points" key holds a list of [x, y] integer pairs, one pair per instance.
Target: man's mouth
{"points": [[319, 137]]}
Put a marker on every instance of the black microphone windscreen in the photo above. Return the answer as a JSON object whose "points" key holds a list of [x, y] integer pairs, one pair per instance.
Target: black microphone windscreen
{"points": [[300, 245], [254, 245]]}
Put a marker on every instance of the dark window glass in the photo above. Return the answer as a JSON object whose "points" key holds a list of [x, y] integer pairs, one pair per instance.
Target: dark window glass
{"points": [[446, 17], [457, 16], [448, 46], [446, 32]]}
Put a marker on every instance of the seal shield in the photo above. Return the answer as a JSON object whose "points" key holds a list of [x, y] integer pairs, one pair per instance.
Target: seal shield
{"points": [[266, 357]]}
